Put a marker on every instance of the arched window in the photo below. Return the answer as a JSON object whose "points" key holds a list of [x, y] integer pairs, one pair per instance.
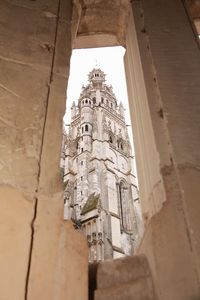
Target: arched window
{"points": [[82, 129], [86, 101], [86, 127], [120, 145], [102, 99], [94, 100], [110, 139]]}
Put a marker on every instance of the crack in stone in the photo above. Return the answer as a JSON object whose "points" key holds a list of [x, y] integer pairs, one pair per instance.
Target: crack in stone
{"points": [[31, 248], [40, 159]]}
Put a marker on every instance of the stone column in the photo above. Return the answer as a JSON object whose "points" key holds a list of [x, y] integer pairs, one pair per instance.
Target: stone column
{"points": [[162, 67], [39, 252]]}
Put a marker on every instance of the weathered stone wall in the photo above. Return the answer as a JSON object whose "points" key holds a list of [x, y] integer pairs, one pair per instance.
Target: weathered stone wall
{"points": [[36, 246], [102, 23], [41, 256], [169, 61]]}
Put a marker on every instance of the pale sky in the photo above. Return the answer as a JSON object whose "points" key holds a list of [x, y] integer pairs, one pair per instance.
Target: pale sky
{"points": [[110, 61]]}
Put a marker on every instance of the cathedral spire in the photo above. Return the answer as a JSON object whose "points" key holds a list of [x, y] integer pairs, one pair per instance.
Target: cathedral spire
{"points": [[73, 109], [100, 185], [121, 109], [96, 77]]}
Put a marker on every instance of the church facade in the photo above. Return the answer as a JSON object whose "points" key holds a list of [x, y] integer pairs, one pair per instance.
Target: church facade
{"points": [[101, 196]]}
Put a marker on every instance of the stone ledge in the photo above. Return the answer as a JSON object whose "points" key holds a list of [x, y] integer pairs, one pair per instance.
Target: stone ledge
{"points": [[123, 270], [140, 289]]}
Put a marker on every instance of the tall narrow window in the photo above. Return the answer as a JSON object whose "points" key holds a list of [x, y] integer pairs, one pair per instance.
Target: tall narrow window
{"points": [[124, 208], [86, 127]]}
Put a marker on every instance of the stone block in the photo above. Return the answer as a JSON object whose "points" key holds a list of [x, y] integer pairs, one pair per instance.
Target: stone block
{"points": [[51, 152], [63, 49], [140, 289], [16, 214], [32, 34], [113, 272], [59, 268], [23, 93]]}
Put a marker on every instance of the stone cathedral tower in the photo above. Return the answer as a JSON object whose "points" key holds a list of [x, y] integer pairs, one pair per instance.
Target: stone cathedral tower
{"points": [[100, 189]]}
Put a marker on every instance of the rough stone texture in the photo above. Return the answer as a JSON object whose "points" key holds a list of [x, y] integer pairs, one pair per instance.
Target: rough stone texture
{"points": [[166, 245], [122, 270], [102, 23], [124, 278], [60, 259], [25, 65], [32, 99], [39, 251], [170, 63]]}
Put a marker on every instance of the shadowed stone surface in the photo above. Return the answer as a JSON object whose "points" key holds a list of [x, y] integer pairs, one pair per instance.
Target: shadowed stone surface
{"points": [[125, 278], [123, 270]]}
